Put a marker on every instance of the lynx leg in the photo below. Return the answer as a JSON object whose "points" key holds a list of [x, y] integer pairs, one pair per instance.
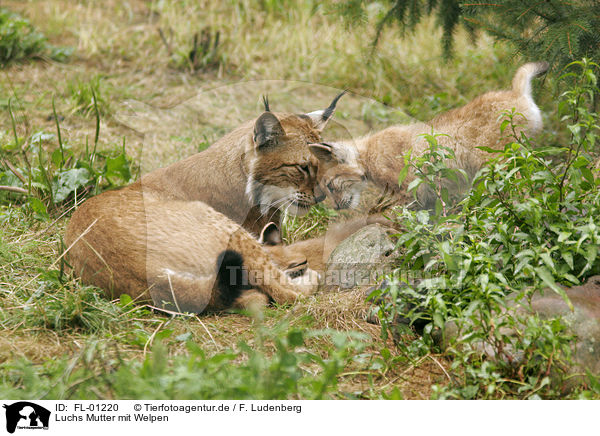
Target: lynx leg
{"points": [[307, 284], [272, 281]]}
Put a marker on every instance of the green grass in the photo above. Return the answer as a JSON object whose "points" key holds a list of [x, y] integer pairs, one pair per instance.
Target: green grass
{"points": [[250, 371], [87, 95]]}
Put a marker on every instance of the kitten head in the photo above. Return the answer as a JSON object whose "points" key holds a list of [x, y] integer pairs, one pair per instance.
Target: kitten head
{"points": [[340, 175], [293, 262]]}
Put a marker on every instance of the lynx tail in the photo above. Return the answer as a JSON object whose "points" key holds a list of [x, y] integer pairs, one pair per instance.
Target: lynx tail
{"points": [[522, 81]]}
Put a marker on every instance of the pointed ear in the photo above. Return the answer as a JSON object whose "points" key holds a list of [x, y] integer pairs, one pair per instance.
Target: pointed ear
{"points": [[322, 151], [270, 235], [322, 117], [267, 130]]}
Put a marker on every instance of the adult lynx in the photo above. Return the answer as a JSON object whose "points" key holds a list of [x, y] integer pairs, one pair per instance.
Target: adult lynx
{"points": [[253, 172]]}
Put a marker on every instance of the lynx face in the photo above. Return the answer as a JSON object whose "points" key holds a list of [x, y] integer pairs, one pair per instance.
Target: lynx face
{"points": [[282, 170], [283, 173], [340, 176]]}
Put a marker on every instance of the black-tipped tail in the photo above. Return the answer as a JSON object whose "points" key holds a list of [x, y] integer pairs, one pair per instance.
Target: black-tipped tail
{"points": [[232, 278]]}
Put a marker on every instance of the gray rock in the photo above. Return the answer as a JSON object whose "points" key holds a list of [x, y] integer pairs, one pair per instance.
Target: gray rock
{"points": [[360, 259]]}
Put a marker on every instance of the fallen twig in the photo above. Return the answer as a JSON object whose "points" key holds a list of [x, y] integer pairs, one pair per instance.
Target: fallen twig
{"points": [[13, 189], [12, 168]]}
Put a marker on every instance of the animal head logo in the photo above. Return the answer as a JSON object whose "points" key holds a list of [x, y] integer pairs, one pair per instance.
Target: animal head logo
{"points": [[26, 415]]}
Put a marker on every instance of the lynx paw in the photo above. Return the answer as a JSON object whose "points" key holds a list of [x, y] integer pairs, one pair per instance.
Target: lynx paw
{"points": [[308, 283]]}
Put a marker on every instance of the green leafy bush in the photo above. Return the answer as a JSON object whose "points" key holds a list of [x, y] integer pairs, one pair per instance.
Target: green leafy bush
{"points": [[528, 224], [20, 41]]}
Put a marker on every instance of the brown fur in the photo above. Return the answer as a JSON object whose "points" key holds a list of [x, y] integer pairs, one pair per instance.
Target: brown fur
{"points": [[166, 251], [378, 157]]}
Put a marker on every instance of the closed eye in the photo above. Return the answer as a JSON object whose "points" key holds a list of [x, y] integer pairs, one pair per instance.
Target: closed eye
{"points": [[296, 172], [297, 269], [292, 274]]}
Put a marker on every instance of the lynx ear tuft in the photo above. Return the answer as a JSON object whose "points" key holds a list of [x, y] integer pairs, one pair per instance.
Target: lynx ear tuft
{"points": [[265, 99], [267, 129], [270, 235], [322, 117]]}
